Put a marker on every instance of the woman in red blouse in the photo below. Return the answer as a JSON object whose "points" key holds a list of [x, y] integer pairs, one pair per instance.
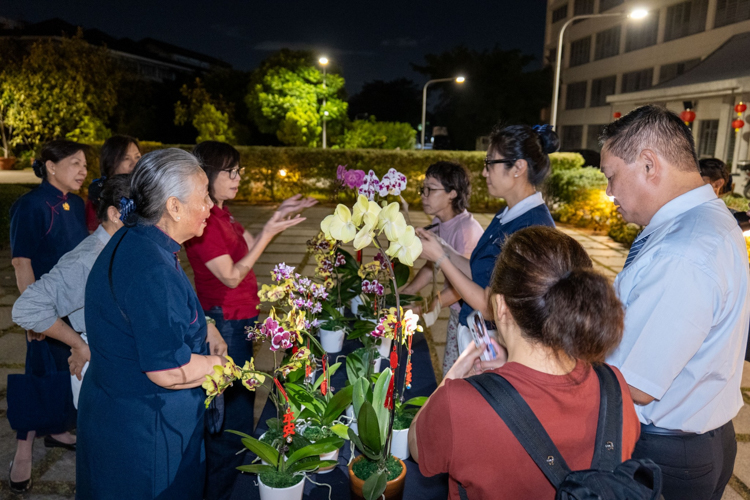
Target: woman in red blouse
{"points": [[222, 260], [555, 317]]}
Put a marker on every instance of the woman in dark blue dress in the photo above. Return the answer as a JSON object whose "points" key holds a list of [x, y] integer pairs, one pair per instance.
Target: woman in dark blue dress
{"points": [[141, 418], [45, 224], [517, 162]]}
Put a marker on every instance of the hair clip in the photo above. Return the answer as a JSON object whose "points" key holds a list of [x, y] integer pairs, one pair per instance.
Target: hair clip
{"points": [[127, 206], [542, 128]]}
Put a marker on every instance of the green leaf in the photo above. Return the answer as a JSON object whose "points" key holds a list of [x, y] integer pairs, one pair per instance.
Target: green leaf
{"points": [[331, 370], [322, 447], [256, 468], [340, 430], [338, 403], [378, 402], [375, 485], [417, 401], [311, 465], [402, 273], [266, 452], [354, 438], [362, 393], [369, 429], [354, 366]]}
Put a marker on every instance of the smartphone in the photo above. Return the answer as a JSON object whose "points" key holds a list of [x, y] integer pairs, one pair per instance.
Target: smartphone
{"points": [[481, 338]]}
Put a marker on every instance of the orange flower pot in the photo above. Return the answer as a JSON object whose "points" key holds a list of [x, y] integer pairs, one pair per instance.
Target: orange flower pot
{"points": [[394, 489]]}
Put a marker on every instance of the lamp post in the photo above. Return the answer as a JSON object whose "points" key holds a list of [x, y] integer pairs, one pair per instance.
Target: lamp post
{"points": [[324, 62], [458, 79], [635, 14]]}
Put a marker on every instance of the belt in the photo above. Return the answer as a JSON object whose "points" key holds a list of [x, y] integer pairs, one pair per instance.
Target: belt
{"points": [[652, 429]]}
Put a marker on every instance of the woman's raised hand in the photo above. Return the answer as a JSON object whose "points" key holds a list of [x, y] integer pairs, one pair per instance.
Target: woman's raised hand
{"points": [[469, 362], [295, 204], [432, 248], [279, 223]]}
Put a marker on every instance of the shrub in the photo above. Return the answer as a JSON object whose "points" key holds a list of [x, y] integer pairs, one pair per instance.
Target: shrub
{"points": [[9, 193]]}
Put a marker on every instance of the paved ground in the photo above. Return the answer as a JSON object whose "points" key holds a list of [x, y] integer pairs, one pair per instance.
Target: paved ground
{"points": [[54, 470]]}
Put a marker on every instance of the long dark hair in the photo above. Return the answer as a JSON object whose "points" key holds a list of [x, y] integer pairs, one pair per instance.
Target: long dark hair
{"points": [[555, 296], [534, 145], [55, 151]]}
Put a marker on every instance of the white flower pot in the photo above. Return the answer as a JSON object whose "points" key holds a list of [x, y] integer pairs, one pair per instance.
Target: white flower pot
{"points": [[400, 444], [355, 303], [384, 351], [292, 493], [332, 341], [341, 309], [334, 455]]}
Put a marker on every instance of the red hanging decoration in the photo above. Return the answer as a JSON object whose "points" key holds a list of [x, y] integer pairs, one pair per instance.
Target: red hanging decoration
{"points": [[738, 124], [389, 395], [617, 115], [359, 256], [740, 108], [688, 116], [324, 384], [308, 370], [394, 356], [288, 424], [294, 349], [408, 365]]}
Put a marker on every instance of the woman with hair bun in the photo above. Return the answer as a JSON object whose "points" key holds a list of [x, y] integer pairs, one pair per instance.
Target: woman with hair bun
{"points": [[141, 404], [45, 224], [556, 317], [517, 162], [119, 154]]}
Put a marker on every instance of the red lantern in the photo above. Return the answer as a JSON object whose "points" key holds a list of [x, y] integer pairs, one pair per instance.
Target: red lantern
{"points": [[617, 115], [740, 108], [737, 124], [688, 116]]}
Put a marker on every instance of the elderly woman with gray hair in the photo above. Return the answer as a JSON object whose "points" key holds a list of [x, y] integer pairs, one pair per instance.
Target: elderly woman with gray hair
{"points": [[141, 406]]}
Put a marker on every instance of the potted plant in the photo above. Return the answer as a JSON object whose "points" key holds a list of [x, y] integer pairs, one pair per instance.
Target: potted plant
{"points": [[332, 329], [282, 475], [405, 413], [6, 161]]}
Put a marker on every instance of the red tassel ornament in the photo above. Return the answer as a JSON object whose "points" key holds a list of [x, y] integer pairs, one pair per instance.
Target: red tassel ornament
{"points": [[324, 384], [288, 425], [408, 365], [389, 395]]}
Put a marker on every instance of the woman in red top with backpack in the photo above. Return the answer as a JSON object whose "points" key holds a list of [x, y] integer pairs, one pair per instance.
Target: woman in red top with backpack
{"points": [[556, 317]]}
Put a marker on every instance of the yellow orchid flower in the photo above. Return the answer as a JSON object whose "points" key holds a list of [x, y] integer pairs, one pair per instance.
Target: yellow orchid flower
{"points": [[391, 221], [339, 225], [406, 248], [271, 293], [364, 237], [368, 269], [365, 211]]}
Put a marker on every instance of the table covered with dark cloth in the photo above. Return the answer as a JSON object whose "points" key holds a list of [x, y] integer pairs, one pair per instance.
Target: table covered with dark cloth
{"points": [[417, 486]]}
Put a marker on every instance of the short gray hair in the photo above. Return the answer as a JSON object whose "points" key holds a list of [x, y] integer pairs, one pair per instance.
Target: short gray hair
{"points": [[158, 176]]}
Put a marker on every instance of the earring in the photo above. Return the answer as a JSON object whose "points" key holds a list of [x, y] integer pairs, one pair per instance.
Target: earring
{"points": [[52, 173], [515, 175], [178, 218]]}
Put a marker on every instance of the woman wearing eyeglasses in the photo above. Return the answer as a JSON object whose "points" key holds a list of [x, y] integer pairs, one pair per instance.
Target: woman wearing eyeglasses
{"points": [[517, 162], [222, 260], [445, 196]]}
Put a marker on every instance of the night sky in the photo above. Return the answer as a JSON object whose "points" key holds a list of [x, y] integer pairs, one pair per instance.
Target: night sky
{"points": [[367, 40]]}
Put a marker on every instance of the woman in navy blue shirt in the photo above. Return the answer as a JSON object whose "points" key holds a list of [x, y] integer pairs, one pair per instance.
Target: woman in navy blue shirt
{"points": [[141, 404], [45, 224], [517, 162]]}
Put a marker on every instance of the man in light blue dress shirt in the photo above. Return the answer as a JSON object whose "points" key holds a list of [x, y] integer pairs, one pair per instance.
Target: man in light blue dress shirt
{"points": [[685, 291]]}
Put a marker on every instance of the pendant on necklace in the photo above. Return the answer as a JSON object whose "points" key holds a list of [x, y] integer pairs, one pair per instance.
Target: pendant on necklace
{"points": [[66, 206]]}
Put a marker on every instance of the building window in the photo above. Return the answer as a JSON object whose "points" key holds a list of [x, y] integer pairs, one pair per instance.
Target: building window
{"points": [[580, 51], [572, 136], [707, 138], [583, 7], [607, 43], [559, 13], [685, 19], [575, 97], [642, 33], [608, 4], [731, 11], [600, 89], [637, 80], [669, 71], [592, 136]]}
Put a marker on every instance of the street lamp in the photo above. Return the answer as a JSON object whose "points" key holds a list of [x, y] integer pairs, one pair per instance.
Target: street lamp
{"points": [[324, 62], [636, 14], [458, 79]]}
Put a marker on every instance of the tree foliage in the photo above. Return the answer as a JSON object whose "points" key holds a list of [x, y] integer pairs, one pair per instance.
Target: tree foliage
{"points": [[58, 88], [209, 116], [379, 135], [499, 88], [397, 100], [286, 98]]}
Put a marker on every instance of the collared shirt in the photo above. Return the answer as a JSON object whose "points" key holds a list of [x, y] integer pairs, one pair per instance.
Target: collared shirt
{"points": [[223, 235], [62, 291], [687, 315], [462, 233], [520, 208], [45, 224], [531, 211]]}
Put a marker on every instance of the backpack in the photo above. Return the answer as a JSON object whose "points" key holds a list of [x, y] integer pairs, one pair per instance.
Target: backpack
{"points": [[608, 478]]}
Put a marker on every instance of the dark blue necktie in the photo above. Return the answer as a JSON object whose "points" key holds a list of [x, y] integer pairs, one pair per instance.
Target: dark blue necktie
{"points": [[634, 251]]}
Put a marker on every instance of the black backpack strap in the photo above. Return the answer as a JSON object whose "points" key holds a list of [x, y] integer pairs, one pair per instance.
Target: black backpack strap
{"points": [[462, 492], [524, 425], [608, 446]]}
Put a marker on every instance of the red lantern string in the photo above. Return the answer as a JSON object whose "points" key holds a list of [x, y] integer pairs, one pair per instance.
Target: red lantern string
{"points": [[294, 349], [389, 395], [324, 384], [394, 356], [359, 256], [288, 424], [738, 124], [408, 365], [617, 115], [281, 389]]}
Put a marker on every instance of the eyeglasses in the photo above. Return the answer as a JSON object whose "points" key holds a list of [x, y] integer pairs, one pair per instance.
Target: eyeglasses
{"points": [[426, 190], [234, 172], [488, 162]]}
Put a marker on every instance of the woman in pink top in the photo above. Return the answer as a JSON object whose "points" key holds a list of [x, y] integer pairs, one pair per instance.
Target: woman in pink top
{"points": [[445, 195]]}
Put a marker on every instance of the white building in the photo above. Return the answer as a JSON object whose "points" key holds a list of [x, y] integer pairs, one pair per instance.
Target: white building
{"points": [[695, 51]]}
